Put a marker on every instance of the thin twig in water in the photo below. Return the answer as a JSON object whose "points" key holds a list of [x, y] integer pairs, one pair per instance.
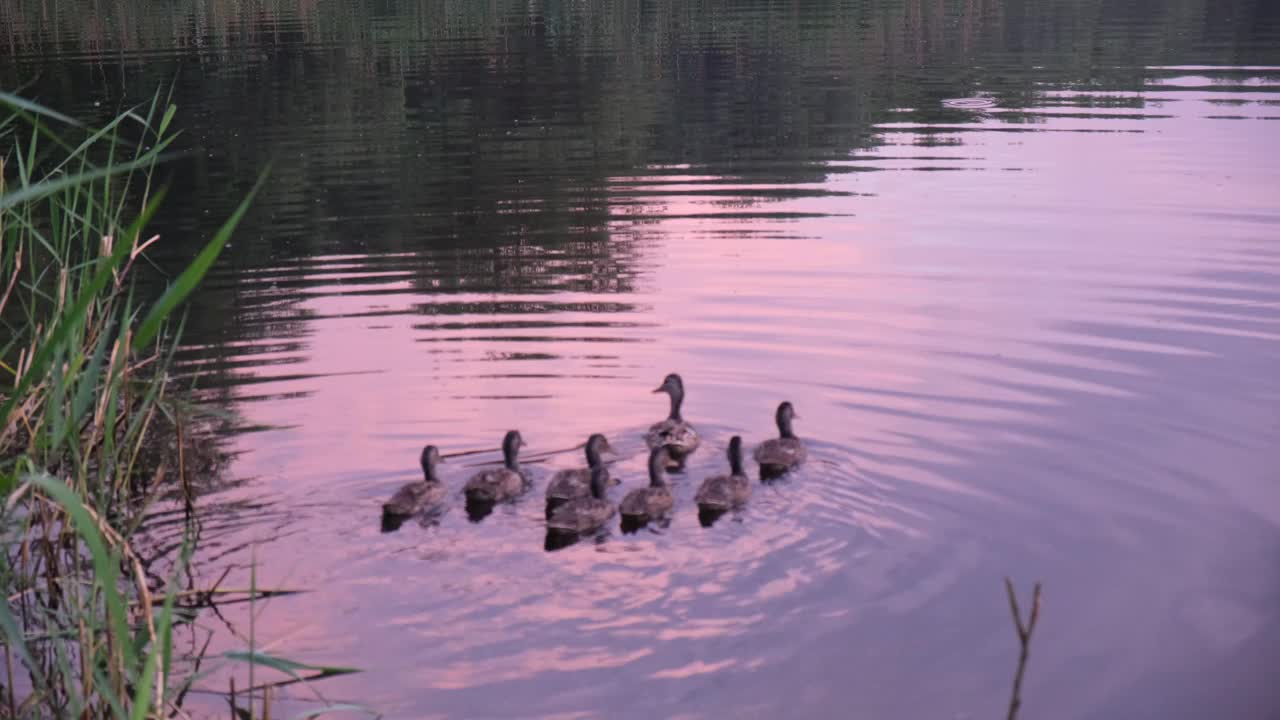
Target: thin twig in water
{"points": [[253, 594], [1024, 640]]}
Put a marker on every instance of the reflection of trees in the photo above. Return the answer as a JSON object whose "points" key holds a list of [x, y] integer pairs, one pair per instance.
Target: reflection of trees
{"points": [[485, 147]]}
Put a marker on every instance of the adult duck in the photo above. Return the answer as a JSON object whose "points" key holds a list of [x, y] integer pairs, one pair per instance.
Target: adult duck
{"points": [[647, 503], [674, 433], [418, 496], [503, 483], [576, 482], [724, 492], [785, 452], [584, 514]]}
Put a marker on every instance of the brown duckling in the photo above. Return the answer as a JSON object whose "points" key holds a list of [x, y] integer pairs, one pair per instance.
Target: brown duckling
{"points": [[576, 482], [418, 496], [724, 492], [785, 452], [584, 514], [499, 484], [646, 503]]}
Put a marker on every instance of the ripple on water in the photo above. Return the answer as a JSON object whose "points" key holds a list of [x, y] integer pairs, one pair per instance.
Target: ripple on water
{"points": [[1064, 372]]}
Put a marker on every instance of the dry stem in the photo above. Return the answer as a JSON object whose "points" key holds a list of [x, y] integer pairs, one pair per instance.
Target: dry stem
{"points": [[1024, 631]]}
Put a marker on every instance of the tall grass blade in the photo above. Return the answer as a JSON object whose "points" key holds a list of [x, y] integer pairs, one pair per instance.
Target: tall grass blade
{"points": [[187, 281], [21, 103], [288, 667], [48, 187]]}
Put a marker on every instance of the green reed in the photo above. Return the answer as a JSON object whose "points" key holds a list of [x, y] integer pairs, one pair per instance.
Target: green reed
{"points": [[89, 423]]}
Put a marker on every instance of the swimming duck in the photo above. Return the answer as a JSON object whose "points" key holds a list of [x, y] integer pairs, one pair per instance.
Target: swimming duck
{"points": [[675, 433], [417, 496], [576, 482], [583, 514], [643, 504], [722, 492], [784, 452], [504, 483]]}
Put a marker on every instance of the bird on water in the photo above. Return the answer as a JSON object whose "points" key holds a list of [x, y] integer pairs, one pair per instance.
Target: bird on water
{"points": [[502, 483], [785, 452], [725, 492], [584, 514], [573, 483], [654, 501], [415, 497], [675, 433]]}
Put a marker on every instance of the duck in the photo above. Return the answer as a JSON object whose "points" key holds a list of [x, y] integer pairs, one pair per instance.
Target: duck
{"points": [[643, 504], [584, 514], [576, 482], [785, 452], [500, 484], [724, 492], [674, 433], [418, 496]]}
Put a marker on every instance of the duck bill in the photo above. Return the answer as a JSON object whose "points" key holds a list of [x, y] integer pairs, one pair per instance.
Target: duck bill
{"points": [[660, 388]]}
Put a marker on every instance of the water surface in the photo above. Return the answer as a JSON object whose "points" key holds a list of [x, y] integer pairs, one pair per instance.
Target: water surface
{"points": [[1015, 263]]}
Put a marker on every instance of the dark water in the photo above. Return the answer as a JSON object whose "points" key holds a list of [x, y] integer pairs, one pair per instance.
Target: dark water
{"points": [[1016, 263]]}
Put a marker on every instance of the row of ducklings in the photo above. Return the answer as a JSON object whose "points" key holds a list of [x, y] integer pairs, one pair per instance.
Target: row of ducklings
{"points": [[577, 498]]}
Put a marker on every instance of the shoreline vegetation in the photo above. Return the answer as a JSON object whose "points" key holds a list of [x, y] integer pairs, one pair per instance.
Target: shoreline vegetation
{"points": [[95, 431]]}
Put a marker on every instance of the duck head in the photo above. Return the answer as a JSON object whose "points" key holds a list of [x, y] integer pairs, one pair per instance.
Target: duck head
{"points": [[599, 482], [511, 445], [430, 458], [784, 416], [597, 444], [672, 385], [735, 455]]}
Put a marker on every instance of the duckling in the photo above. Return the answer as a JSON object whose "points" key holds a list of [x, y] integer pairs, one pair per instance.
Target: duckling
{"points": [[643, 504], [499, 484], [418, 496], [675, 433], [576, 482], [723, 492], [582, 515], [784, 452]]}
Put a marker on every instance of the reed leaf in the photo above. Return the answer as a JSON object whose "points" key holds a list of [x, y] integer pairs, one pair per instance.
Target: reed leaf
{"points": [[195, 271], [288, 667]]}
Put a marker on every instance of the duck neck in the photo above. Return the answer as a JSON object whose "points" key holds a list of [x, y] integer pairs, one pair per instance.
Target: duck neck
{"points": [[593, 456], [677, 398], [429, 472], [597, 487], [657, 471], [784, 427], [510, 458], [735, 461]]}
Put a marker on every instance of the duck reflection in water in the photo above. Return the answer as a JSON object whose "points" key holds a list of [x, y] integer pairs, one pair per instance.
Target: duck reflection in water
{"points": [[558, 541]]}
